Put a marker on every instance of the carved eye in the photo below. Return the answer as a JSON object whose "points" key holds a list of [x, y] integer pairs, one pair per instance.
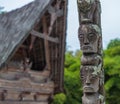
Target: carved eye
{"points": [[83, 78], [93, 77], [80, 36], [82, 75], [92, 37], [79, 1]]}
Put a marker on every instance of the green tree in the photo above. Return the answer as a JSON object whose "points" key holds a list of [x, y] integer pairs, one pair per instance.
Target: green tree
{"points": [[114, 43], [59, 99], [72, 77], [112, 72]]}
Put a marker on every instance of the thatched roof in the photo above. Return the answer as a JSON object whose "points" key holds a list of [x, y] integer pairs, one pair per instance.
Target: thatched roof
{"points": [[16, 25]]}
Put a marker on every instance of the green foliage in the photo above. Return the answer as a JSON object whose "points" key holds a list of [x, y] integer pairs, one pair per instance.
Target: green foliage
{"points": [[72, 78], [59, 99], [114, 43], [115, 51], [112, 72]]}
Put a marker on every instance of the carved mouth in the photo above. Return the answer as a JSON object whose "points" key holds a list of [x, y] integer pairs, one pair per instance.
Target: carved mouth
{"points": [[87, 48], [88, 89], [86, 20]]}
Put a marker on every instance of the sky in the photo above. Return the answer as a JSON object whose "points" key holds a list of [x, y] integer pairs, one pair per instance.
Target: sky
{"points": [[110, 20]]}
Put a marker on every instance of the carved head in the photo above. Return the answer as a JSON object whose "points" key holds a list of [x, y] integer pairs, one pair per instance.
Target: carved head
{"points": [[84, 5], [90, 76], [90, 38]]}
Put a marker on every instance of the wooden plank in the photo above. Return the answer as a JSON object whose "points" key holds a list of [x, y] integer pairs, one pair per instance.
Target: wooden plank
{"points": [[18, 90], [23, 102], [43, 36]]}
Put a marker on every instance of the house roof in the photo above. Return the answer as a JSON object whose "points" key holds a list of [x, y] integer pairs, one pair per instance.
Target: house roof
{"points": [[16, 25]]}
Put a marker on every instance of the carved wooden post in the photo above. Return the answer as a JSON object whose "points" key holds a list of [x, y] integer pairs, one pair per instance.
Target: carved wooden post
{"points": [[90, 37]]}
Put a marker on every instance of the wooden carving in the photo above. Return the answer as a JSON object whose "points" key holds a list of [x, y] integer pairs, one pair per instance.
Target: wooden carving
{"points": [[89, 11], [90, 37]]}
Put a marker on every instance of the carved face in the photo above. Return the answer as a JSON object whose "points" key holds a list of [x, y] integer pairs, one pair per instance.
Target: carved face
{"points": [[90, 81], [90, 38]]}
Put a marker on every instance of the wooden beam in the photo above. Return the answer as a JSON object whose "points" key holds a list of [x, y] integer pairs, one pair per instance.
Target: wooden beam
{"points": [[46, 44], [58, 13], [55, 12], [43, 36]]}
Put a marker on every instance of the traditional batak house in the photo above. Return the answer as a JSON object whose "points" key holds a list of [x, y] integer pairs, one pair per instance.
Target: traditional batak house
{"points": [[32, 47]]}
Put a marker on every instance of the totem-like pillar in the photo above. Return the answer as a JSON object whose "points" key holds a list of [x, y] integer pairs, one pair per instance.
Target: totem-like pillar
{"points": [[90, 37]]}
